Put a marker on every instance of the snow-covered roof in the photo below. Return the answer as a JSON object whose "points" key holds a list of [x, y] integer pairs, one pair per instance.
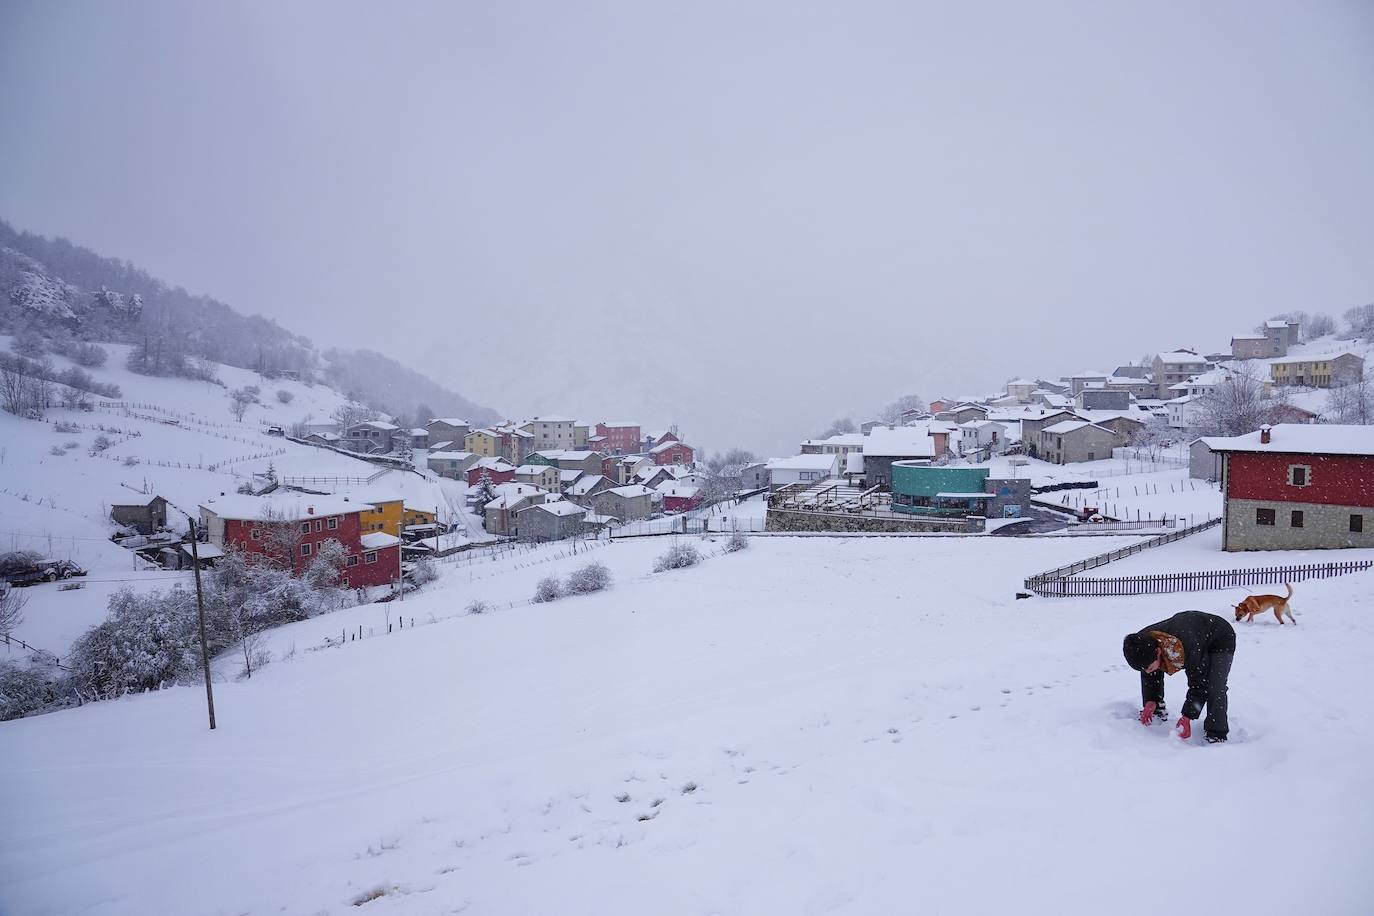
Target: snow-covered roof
{"points": [[1021, 381], [440, 446], [585, 484], [679, 490], [376, 540], [559, 507], [851, 440], [899, 442], [494, 463], [529, 470], [1248, 337], [326, 436], [553, 419], [664, 446], [1090, 373], [631, 460], [804, 463], [376, 424], [1276, 323], [571, 455], [1106, 416], [619, 424], [286, 508], [1180, 356], [1070, 426], [419, 432], [1301, 438], [204, 551], [570, 475], [450, 456], [631, 491], [451, 421], [979, 424], [1314, 358], [123, 496]]}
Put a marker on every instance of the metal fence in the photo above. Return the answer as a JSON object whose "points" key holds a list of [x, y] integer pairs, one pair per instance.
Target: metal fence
{"points": [[1067, 587]]}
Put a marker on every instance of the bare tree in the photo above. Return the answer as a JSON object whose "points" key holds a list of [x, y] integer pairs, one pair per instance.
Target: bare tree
{"points": [[1353, 403], [14, 388], [240, 398], [840, 427], [1236, 406], [11, 609], [1361, 321], [352, 413], [891, 413], [280, 538]]}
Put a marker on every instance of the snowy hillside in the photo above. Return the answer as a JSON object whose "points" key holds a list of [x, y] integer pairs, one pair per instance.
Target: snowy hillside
{"points": [[172, 437], [813, 725]]}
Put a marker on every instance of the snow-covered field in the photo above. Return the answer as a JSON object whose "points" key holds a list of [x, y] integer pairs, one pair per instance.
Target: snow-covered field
{"points": [[814, 725]]}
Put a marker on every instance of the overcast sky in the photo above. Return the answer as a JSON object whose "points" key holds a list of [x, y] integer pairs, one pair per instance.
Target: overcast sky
{"points": [[744, 218]]}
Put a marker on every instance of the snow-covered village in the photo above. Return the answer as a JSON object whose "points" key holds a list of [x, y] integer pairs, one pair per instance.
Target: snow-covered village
{"points": [[778, 460]]}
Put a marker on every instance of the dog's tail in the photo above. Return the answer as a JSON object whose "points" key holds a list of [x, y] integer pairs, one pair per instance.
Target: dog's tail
{"points": [[1290, 591]]}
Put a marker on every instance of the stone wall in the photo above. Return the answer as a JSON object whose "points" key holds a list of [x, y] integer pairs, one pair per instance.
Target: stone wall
{"points": [[793, 520], [1323, 526]]}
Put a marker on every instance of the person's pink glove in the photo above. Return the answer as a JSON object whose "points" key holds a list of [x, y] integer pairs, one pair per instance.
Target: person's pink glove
{"points": [[1148, 713], [1185, 728]]}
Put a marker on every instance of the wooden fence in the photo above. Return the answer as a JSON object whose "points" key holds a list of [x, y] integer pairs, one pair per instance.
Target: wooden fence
{"points": [[1066, 587], [1102, 559]]}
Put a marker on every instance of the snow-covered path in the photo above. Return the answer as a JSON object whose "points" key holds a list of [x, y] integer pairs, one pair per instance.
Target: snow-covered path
{"points": [[815, 725]]}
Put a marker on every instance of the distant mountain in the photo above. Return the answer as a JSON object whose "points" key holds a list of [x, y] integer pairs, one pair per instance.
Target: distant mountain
{"points": [[56, 290]]}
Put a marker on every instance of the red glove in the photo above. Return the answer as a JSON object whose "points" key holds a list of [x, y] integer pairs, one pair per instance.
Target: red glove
{"points": [[1148, 713], [1185, 728]]}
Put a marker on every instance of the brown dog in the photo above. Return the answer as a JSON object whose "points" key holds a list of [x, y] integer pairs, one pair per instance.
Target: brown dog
{"points": [[1258, 604]]}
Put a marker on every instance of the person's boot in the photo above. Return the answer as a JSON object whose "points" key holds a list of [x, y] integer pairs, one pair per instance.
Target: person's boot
{"points": [[1216, 739]]}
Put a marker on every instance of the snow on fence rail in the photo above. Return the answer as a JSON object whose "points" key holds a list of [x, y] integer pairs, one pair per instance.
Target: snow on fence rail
{"points": [[1068, 587], [1102, 559]]}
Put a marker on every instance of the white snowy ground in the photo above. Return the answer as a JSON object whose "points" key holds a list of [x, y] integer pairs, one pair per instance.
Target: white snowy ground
{"points": [[815, 725]]}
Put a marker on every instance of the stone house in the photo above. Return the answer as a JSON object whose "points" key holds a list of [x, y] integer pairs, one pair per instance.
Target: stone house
{"points": [[450, 464], [538, 475], [1321, 371], [1114, 398], [1086, 379], [1174, 367], [1254, 346], [621, 436], [1021, 389], [754, 476], [624, 503], [550, 432], [1031, 427], [550, 521], [447, 429], [1077, 440], [1203, 463], [628, 468], [981, 435], [587, 486], [500, 514], [141, 512], [373, 437], [673, 451], [1297, 487]]}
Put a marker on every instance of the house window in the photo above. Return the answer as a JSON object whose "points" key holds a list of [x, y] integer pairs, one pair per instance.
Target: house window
{"points": [[1357, 523], [1299, 475], [1264, 516], [370, 557], [305, 527], [352, 561], [333, 523], [1295, 519], [1092, 456], [319, 524], [254, 534], [305, 550]]}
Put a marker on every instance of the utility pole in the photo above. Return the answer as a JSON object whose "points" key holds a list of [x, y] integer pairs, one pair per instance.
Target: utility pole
{"points": [[200, 607]]}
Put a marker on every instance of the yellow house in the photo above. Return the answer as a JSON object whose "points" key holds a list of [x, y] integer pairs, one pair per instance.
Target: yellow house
{"points": [[482, 442], [413, 516], [386, 515]]}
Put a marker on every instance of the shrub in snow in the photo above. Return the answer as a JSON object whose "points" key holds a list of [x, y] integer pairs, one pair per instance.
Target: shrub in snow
{"points": [[736, 542], [285, 396], [477, 606], [27, 689], [101, 443], [549, 589], [426, 571], [130, 461], [149, 640], [71, 444], [590, 578], [66, 428], [679, 556], [57, 450]]}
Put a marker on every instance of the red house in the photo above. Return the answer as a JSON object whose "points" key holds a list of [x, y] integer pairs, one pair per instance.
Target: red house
{"points": [[291, 530], [1297, 487], [672, 451], [497, 469], [680, 498], [620, 438]]}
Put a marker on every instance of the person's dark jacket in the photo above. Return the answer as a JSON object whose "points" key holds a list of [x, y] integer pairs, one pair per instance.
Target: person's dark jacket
{"points": [[1200, 634]]}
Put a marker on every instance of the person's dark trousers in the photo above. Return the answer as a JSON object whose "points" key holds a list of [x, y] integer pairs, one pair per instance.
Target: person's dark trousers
{"points": [[1152, 688], [1218, 670]]}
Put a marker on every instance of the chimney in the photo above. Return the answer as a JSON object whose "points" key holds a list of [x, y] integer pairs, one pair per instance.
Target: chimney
{"points": [[1264, 434]]}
